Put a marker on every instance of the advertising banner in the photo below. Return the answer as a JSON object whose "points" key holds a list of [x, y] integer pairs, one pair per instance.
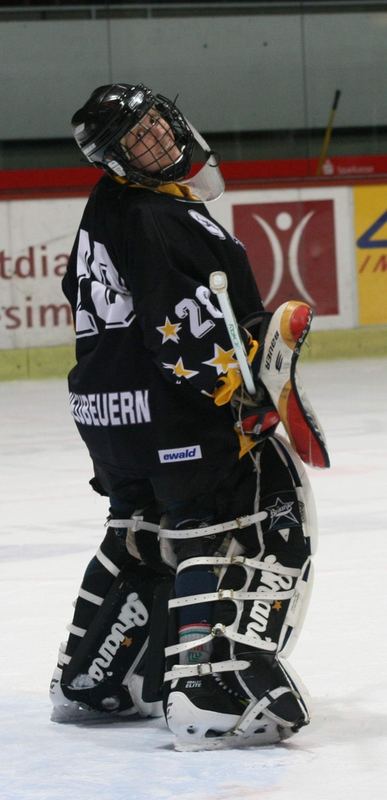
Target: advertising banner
{"points": [[371, 253], [36, 237], [300, 245]]}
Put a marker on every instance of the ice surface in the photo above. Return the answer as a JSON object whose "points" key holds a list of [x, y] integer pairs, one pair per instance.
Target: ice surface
{"points": [[51, 523]]}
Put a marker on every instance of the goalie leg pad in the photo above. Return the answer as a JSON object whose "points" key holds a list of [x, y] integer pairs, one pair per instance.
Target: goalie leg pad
{"points": [[100, 669], [246, 693], [290, 531], [104, 674]]}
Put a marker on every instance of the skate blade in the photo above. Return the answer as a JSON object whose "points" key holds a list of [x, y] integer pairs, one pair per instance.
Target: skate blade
{"points": [[272, 736], [79, 715]]}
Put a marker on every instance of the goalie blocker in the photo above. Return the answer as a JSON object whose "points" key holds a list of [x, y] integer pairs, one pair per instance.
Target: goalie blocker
{"points": [[275, 367], [285, 335]]}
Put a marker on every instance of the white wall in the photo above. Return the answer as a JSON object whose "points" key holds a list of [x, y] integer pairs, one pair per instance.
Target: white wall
{"points": [[231, 73]]}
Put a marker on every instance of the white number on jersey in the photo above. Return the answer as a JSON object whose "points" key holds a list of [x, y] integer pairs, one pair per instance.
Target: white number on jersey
{"points": [[101, 291], [191, 309]]}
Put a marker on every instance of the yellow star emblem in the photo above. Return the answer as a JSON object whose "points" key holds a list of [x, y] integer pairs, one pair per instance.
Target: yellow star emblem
{"points": [[127, 641], [180, 370], [223, 360], [169, 330], [277, 605]]}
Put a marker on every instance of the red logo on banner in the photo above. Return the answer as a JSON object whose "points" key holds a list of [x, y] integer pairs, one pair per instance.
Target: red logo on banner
{"points": [[291, 248]]}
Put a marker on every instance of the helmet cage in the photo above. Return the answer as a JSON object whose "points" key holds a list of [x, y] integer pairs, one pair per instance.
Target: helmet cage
{"points": [[111, 113]]}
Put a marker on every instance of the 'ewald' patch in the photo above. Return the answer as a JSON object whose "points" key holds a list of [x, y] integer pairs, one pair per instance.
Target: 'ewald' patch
{"points": [[189, 453]]}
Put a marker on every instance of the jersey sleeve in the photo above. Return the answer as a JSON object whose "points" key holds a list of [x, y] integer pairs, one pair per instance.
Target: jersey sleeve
{"points": [[180, 318]]}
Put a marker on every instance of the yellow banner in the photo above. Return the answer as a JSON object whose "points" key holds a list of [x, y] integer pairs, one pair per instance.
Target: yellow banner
{"points": [[371, 253]]}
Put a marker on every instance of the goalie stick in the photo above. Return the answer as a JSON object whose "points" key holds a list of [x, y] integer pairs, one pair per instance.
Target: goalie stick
{"points": [[218, 285]]}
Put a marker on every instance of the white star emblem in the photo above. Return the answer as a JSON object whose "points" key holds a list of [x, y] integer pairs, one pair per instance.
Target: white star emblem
{"points": [[281, 510]]}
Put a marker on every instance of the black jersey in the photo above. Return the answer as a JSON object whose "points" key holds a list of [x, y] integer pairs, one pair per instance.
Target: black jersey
{"points": [[151, 342]]}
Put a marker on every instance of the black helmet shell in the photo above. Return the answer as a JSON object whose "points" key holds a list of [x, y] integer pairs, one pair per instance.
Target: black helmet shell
{"points": [[111, 112]]}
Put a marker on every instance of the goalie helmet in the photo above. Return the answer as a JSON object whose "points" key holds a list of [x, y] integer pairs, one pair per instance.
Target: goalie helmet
{"points": [[110, 113]]}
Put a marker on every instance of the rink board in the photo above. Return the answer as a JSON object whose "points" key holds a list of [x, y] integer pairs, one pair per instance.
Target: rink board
{"points": [[55, 362], [303, 243]]}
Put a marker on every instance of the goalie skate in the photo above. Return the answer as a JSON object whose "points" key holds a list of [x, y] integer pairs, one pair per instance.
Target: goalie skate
{"points": [[77, 712], [287, 331], [206, 714]]}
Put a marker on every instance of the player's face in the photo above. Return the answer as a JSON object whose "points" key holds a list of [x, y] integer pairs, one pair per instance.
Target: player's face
{"points": [[150, 145]]}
